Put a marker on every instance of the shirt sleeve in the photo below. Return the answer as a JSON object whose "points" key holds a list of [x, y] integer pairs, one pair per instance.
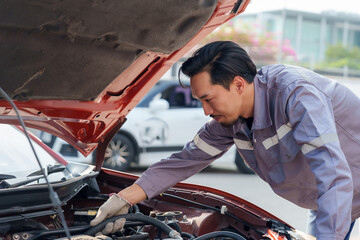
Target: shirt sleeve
{"points": [[210, 143], [312, 119]]}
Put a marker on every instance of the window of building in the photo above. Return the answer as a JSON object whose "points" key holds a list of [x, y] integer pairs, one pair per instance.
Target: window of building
{"points": [[310, 39], [356, 39], [290, 30]]}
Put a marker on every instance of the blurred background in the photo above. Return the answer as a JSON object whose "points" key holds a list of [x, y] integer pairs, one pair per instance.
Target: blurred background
{"points": [[323, 36]]}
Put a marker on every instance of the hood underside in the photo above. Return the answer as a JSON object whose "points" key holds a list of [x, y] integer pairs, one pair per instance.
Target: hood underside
{"points": [[76, 68], [72, 50]]}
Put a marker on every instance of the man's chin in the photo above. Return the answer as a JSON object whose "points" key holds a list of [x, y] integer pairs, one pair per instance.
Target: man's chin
{"points": [[227, 124]]}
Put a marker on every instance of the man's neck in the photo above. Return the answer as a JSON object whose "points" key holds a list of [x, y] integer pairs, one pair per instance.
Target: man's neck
{"points": [[249, 122]]}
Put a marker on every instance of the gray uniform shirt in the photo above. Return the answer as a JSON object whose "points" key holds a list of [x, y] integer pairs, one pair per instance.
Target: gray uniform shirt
{"points": [[304, 141]]}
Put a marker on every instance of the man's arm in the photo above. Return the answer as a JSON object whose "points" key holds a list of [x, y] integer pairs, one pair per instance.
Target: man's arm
{"points": [[133, 194], [210, 143], [312, 119], [166, 173]]}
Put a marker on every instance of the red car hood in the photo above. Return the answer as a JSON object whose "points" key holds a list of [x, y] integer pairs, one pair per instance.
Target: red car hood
{"points": [[76, 68]]}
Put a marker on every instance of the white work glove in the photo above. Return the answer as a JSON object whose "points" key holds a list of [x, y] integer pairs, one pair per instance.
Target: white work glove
{"points": [[114, 206]]}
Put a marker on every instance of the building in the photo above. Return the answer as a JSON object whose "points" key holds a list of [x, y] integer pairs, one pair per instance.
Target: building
{"points": [[309, 33]]}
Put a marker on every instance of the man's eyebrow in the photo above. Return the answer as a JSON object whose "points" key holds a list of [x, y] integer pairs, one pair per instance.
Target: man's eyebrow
{"points": [[202, 97]]}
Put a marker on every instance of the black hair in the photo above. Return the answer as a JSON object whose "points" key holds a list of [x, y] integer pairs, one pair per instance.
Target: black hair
{"points": [[223, 60]]}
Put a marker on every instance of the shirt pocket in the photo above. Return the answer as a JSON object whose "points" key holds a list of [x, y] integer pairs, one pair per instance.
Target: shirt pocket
{"points": [[276, 153], [288, 148], [279, 147]]}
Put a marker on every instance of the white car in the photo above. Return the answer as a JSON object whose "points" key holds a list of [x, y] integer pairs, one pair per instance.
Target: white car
{"points": [[161, 124], [65, 150]]}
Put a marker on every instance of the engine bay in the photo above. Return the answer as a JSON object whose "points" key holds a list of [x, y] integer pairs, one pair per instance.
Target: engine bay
{"points": [[184, 212]]}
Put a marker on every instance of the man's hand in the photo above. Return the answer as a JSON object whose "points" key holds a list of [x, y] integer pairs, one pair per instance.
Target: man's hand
{"points": [[114, 206]]}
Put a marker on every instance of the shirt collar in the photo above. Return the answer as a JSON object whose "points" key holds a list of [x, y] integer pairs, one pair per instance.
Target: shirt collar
{"points": [[262, 117]]}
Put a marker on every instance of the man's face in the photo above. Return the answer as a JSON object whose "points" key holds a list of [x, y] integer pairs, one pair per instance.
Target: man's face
{"points": [[223, 105]]}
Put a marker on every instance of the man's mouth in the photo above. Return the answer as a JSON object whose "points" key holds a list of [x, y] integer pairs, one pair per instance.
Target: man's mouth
{"points": [[215, 117]]}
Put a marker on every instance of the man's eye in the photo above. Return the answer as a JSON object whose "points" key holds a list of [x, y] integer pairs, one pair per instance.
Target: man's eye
{"points": [[208, 100]]}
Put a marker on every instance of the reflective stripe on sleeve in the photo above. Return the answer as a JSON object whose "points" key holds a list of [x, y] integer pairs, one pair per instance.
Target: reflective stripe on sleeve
{"points": [[281, 132], [244, 145], [269, 142], [202, 145], [318, 142]]}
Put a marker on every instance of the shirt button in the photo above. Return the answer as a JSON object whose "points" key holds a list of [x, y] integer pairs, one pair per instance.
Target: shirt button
{"points": [[288, 156]]}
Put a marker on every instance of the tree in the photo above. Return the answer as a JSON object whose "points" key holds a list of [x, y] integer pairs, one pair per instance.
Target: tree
{"points": [[261, 45], [339, 56]]}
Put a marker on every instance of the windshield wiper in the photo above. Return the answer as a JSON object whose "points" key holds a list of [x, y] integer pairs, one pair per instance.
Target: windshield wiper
{"points": [[3, 183], [37, 175], [49, 170], [24, 182], [6, 176], [21, 183]]}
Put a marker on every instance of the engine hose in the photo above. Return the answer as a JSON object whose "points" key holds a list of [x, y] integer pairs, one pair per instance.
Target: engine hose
{"points": [[136, 217], [187, 235], [174, 226], [136, 208], [220, 234]]}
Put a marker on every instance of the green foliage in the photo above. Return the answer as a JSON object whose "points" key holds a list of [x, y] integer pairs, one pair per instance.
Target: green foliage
{"points": [[339, 56]]}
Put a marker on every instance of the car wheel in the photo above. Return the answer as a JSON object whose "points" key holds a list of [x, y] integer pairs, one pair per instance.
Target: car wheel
{"points": [[120, 153], [241, 165]]}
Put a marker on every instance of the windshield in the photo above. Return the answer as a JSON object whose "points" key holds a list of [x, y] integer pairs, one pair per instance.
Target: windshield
{"points": [[17, 157]]}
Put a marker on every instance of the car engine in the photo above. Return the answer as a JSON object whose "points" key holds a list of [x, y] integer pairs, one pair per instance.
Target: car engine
{"points": [[183, 212]]}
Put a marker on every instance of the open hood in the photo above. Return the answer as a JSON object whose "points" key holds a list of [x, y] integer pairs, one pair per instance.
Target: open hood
{"points": [[76, 68]]}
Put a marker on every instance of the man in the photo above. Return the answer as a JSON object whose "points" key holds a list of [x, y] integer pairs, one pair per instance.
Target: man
{"points": [[296, 129]]}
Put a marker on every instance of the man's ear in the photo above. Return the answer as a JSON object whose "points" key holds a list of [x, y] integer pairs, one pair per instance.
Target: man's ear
{"points": [[239, 83]]}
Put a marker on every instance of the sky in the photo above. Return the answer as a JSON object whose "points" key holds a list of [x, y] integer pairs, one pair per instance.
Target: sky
{"points": [[317, 6]]}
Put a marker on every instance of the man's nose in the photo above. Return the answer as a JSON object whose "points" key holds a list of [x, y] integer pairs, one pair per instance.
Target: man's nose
{"points": [[207, 109]]}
